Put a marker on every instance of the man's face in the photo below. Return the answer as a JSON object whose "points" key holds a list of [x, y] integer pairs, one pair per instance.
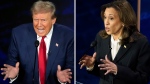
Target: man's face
{"points": [[42, 23]]}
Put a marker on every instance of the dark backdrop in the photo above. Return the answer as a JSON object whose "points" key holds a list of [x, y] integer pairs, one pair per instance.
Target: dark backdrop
{"points": [[16, 12], [89, 23]]}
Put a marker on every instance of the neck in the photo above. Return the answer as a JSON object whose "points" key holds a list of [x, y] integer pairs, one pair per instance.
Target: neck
{"points": [[116, 36]]}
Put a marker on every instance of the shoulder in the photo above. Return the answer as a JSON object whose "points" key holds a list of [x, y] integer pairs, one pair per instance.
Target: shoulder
{"points": [[62, 29], [23, 27], [138, 37]]}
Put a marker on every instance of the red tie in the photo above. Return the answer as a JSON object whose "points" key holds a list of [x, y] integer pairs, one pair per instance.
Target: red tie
{"points": [[42, 61]]}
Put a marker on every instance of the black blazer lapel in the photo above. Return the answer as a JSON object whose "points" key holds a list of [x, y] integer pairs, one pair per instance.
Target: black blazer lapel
{"points": [[107, 48], [53, 50], [123, 49]]}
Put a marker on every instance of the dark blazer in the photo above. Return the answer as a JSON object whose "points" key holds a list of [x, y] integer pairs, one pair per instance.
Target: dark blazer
{"points": [[22, 49], [132, 60]]}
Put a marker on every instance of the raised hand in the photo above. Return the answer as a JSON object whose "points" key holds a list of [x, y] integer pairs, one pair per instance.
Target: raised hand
{"points": [[64, 76], [10, 71], [87, 60], [109, 66]]}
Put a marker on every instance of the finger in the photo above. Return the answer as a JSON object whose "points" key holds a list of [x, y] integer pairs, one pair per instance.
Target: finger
{"points": [[17, 65], [108, 71], [104, 61], [6, 76], [79, 62], [104, 65], [105, 68], [82, 66], [6, 65], [82, 61], [3, 73], [82, 57], [70, 77], [68, 80], [106, 58], [58, 68], [4, 69], [94, 55], [69, 73], [67, 70]]}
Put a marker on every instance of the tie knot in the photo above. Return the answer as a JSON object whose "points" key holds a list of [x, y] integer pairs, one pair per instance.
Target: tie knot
{"points": [[43, 37]]}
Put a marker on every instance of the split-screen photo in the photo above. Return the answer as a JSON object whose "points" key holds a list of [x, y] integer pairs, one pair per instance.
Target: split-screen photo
{"points": [[75, 42]]}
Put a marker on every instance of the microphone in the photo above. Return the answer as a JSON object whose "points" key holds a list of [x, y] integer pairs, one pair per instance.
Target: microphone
{"points": [[36, 43], [93, 44]]}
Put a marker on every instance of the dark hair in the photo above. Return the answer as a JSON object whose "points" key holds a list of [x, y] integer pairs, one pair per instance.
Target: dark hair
{"points": [[126, 15]]}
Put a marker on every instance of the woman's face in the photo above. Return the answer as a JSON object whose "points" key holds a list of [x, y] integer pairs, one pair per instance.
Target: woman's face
{"points": [[112, 22]]}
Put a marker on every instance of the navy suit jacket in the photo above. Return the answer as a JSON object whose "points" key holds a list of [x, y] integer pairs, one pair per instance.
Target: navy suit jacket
{"points": [[132, 60], [22, 49]]}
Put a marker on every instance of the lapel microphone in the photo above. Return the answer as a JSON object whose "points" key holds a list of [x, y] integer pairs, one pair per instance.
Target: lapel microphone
{"points": [[36, 43], [93, 44]]}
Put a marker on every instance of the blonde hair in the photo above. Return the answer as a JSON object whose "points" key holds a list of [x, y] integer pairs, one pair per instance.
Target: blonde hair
{"points": [[43, 7]]}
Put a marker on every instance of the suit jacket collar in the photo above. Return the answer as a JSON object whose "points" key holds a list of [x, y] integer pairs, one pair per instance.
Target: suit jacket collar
{"points": [[32, 51], [108, 47], [31, 42], [121, 52], [53, 50]]}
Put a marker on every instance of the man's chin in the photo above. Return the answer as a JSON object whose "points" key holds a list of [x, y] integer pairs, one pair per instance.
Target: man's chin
{"points": [[39, 34]]}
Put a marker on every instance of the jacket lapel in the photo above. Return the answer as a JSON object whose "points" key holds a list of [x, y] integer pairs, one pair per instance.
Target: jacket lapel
{"points": [[53, 50], [30, 43], [107, 48], [31, 38], [123, 49]]}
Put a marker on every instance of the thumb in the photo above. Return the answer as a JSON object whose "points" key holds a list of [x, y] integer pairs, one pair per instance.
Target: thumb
{"points": [[106, 58], [59, 68], [94, 55], [17, 64]]}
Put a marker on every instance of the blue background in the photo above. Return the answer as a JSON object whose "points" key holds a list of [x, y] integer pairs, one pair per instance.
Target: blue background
{"points": [[16, 12], [89, 23]]}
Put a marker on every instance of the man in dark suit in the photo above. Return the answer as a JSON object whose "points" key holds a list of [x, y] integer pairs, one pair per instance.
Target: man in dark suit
{"points": [[50, 62]]}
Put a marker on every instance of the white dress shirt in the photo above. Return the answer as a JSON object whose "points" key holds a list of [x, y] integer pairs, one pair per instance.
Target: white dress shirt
{"points": [[114, 50], [114, 47], [47, 40]]}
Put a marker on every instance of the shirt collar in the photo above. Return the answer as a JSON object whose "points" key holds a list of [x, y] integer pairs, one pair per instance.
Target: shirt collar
{"points": [[112, 40]]}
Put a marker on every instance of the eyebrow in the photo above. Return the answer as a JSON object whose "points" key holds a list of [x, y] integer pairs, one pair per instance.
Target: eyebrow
{"points": [[110, 14]]}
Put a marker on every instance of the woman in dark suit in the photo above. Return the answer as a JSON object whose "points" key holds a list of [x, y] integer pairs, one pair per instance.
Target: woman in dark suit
{"points": [[122, 53]]}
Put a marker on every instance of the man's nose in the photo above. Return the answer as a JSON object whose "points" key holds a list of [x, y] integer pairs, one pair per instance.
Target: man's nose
{"points": [[39, 23]]}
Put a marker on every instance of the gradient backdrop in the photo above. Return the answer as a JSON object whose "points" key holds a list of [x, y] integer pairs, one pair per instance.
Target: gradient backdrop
{"points": [[16, 12], [88, 24]]}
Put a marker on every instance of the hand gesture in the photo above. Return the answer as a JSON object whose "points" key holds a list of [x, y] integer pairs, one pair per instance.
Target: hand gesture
{"points": [[64, 76], [87, 60], [10, 71], [109, 66]]}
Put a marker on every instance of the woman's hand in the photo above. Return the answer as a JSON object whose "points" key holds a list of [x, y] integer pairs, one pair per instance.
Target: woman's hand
{"points": [[87, 60], [109, 66]]}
